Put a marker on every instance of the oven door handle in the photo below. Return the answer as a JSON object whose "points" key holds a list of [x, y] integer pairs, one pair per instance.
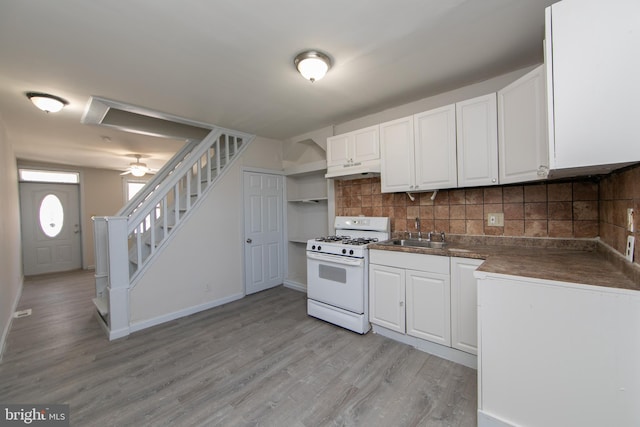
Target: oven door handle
{"points": [[336, 259]]}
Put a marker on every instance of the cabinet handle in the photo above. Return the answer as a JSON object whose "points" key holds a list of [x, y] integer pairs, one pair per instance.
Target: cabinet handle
{"points": [[401, 303], [249, 240], [493, 180]]}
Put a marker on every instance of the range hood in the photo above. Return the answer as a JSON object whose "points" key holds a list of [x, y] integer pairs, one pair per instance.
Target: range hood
{"points": [[367, 169]]}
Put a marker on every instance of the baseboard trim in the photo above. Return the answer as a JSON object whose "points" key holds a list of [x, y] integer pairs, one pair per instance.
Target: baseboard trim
{"points": [[486, 420], [144, 324], [14, 307], [449, 353], [295, 286]]}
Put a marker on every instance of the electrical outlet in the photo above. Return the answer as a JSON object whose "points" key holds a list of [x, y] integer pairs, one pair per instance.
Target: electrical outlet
{"points": [[630, 220], [629, 251], [495, 219]]}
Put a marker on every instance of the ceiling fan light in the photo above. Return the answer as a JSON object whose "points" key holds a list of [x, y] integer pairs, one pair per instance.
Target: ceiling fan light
{"points": [[137, 171], [313, 65], [47, 103]]}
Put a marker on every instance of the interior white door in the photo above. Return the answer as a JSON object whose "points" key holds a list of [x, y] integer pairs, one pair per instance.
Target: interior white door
{"points": [[50, 216], [263, 231]]}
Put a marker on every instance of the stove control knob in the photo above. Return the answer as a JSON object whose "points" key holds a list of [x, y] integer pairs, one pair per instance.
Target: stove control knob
{"points": [[351, 252], [319, 247], [344, 251], [313, 247]]}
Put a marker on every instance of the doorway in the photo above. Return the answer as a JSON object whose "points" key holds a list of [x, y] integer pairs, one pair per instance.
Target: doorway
{"points": [[263, 231], [50, 224]]}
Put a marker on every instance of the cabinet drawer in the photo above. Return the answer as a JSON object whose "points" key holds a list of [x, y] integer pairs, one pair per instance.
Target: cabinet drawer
{"points": [[421, 262]]}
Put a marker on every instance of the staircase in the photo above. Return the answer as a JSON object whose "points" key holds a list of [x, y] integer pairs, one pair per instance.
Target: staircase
{"points": [[126, 244]]}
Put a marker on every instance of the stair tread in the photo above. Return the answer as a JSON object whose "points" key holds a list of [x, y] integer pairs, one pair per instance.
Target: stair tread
{"points": [[102, 305]]}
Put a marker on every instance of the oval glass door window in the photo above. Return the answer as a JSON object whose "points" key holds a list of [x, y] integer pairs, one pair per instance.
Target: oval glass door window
{"points": [[51, 215]]}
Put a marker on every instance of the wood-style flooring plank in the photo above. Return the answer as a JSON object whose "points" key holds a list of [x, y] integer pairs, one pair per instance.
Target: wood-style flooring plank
{"points": [[259, 361]]}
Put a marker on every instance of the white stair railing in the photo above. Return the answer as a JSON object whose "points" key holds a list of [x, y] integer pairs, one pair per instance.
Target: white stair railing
{"points": [[126, 243]]}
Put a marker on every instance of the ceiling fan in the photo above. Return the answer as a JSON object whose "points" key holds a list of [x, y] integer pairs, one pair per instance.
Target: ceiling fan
{"points": [[137, 168]]}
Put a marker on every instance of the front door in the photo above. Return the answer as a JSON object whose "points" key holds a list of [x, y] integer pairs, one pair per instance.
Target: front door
{"points": [[263, 231], [50, 216]]}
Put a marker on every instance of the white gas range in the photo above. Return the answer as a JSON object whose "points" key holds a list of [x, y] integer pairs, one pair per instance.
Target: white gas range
{"points": [[338, 272]]}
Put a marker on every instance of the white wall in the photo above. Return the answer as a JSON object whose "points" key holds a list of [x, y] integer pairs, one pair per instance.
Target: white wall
{"points": [[203, 265], [11, 278], [425, 104]]}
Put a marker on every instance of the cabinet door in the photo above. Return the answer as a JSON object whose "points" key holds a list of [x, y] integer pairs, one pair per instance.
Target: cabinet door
{"points": [[464, 305], [397, 159], [365, 144], [435, 149], [338, 150], [595, 90], [386, 297], [477, 133], [428, 306], [522, 129]]}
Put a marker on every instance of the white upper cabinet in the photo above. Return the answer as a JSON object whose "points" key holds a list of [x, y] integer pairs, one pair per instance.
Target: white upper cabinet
{"points": [[352, 148], [522, 129], [592, 58], [435, 149], [397, 155], [419, 152], [477, 135]]}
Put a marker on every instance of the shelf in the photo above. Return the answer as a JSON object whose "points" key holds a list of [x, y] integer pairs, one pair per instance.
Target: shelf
{"points": [[314, 200], [306, 168], [299, 239]]}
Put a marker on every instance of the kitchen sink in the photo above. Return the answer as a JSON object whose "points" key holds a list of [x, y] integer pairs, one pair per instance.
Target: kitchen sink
{"points": [[418, 243]]}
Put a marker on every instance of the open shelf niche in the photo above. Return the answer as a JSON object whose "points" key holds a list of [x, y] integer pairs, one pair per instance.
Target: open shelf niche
{"points": [[308, 216]]}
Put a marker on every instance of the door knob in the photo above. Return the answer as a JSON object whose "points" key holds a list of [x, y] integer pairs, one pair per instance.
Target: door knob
{"points": [[249, 240]]}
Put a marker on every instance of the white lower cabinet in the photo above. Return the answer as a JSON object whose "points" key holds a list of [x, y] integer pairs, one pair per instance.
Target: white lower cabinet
{"points": [[428, 306], [410, 293], [556, 353], [464, 304], [386, 297]]}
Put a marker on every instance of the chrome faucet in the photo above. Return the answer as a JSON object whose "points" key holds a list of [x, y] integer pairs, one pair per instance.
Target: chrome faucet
{"points": [[429, 234], [418, 228]]}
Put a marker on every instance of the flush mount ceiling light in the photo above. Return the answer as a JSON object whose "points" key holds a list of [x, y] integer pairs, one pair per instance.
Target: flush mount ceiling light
{"points": [[46, 102], [313, 65]]}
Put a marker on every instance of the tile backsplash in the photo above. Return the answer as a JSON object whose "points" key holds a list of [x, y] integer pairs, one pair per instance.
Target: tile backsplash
{"points": [[619, 191], [583, 207], [554, 209]]}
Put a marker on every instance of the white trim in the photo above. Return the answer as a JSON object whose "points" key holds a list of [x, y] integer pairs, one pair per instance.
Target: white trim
{"points": [[486, 420], [144, 324], [448, 353], [14, 307], [294, 285]]}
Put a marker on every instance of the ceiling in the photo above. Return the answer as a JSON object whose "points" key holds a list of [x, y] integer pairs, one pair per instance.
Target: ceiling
{"points": [[231, 64]]}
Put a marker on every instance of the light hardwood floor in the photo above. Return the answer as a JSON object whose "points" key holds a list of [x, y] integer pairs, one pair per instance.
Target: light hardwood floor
{"points": [[257, 361]]}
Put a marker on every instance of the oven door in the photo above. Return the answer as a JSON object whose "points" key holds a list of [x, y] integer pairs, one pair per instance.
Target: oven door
{"points": [[336, 280]]}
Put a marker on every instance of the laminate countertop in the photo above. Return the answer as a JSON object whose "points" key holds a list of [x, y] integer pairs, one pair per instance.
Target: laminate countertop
{"points": [[580, 261]]}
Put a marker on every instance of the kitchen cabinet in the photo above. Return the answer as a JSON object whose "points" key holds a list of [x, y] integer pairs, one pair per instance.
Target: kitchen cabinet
{"points": [[410, 293], [523, 150], [464, 311], [353, 148], [307, 217], [557, 354], [477, 141], [419, 152], [387, 297], [592, 83], [397, 156]]}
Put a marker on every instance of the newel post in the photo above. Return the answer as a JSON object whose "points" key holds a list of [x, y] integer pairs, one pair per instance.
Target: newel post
{"points": [[118, 277]]}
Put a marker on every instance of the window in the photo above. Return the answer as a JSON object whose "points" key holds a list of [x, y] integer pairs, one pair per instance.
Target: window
{"points": [[51, 215], [61, 177], [133, 187]]}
